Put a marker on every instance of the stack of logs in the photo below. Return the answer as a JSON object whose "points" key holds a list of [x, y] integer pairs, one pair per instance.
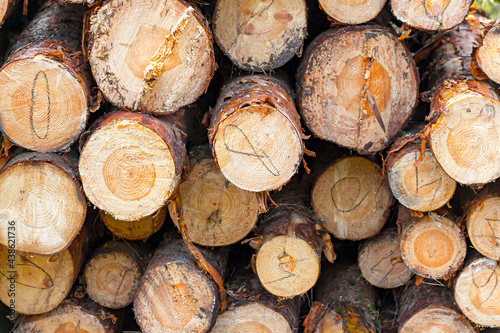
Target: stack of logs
{"points": [[349, 191]]}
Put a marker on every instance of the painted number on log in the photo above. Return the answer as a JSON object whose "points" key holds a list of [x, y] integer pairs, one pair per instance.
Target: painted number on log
{"points": [[357, 198], [29, 268], [419, 186], [252, 152], [40, 92]]}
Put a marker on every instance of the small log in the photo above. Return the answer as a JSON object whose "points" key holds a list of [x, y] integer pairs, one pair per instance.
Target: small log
{"points": [[253, 309], [417, 180], [465, 113], [6, 7], [135, 230], [36, 284], [45, 82], [352, 12], [152, 56], [175, 295], [113, 273], [214, 211], [345, 302], [431, 14], [357, 87], [432, 246], [73, 315], [130, 163], [255, 133], [260, 35], [430, 308], [483, 223], [288, 249], [477, 290], [43, 207], [380, 261], [352, 198]]}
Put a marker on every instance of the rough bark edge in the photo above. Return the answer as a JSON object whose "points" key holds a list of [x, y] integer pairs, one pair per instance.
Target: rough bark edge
{"points": [[334, 33]]}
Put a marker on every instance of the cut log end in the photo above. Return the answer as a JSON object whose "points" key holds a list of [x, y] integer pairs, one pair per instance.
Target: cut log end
{"points": [[112, 277], [487, 55], [44, 205], [369, 92], [352, 12], [261, 142], [431, 14], [260, 35], [425, 187], [464, 138], [437, 318], [73, 315], [287, 266], [251, 318], [380, 261], [477, 292], [433, 247], [214, 211], [127, 170], [168, 301], [483, 227], [41, 282], [135, 230], [44, 107], [352, 199], [153, 56]]}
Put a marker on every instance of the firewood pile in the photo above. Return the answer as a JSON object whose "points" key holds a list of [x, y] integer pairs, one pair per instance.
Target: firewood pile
{"points": [[249, 166]]}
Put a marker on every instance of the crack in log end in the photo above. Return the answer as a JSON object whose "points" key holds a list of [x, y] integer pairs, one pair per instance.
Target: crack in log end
{"points": [[155, 66]]}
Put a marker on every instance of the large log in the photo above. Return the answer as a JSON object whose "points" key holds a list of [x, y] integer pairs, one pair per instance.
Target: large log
{"points": [[357, 87], [36, 284], [73, 315], [135, 230], [380, 261], [432, 246], [288, 248], [483, 222], [253, 309], [131, 163], [352, 198], [255, 133], [113, 273], [260, 35], [431, 14], [415, 176], [352, 12], [154, 56], [430, 308], [43, 207], [465, 113], [477, 290], [215, 212], [345, 302], [175, 295], [45, 82]]}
